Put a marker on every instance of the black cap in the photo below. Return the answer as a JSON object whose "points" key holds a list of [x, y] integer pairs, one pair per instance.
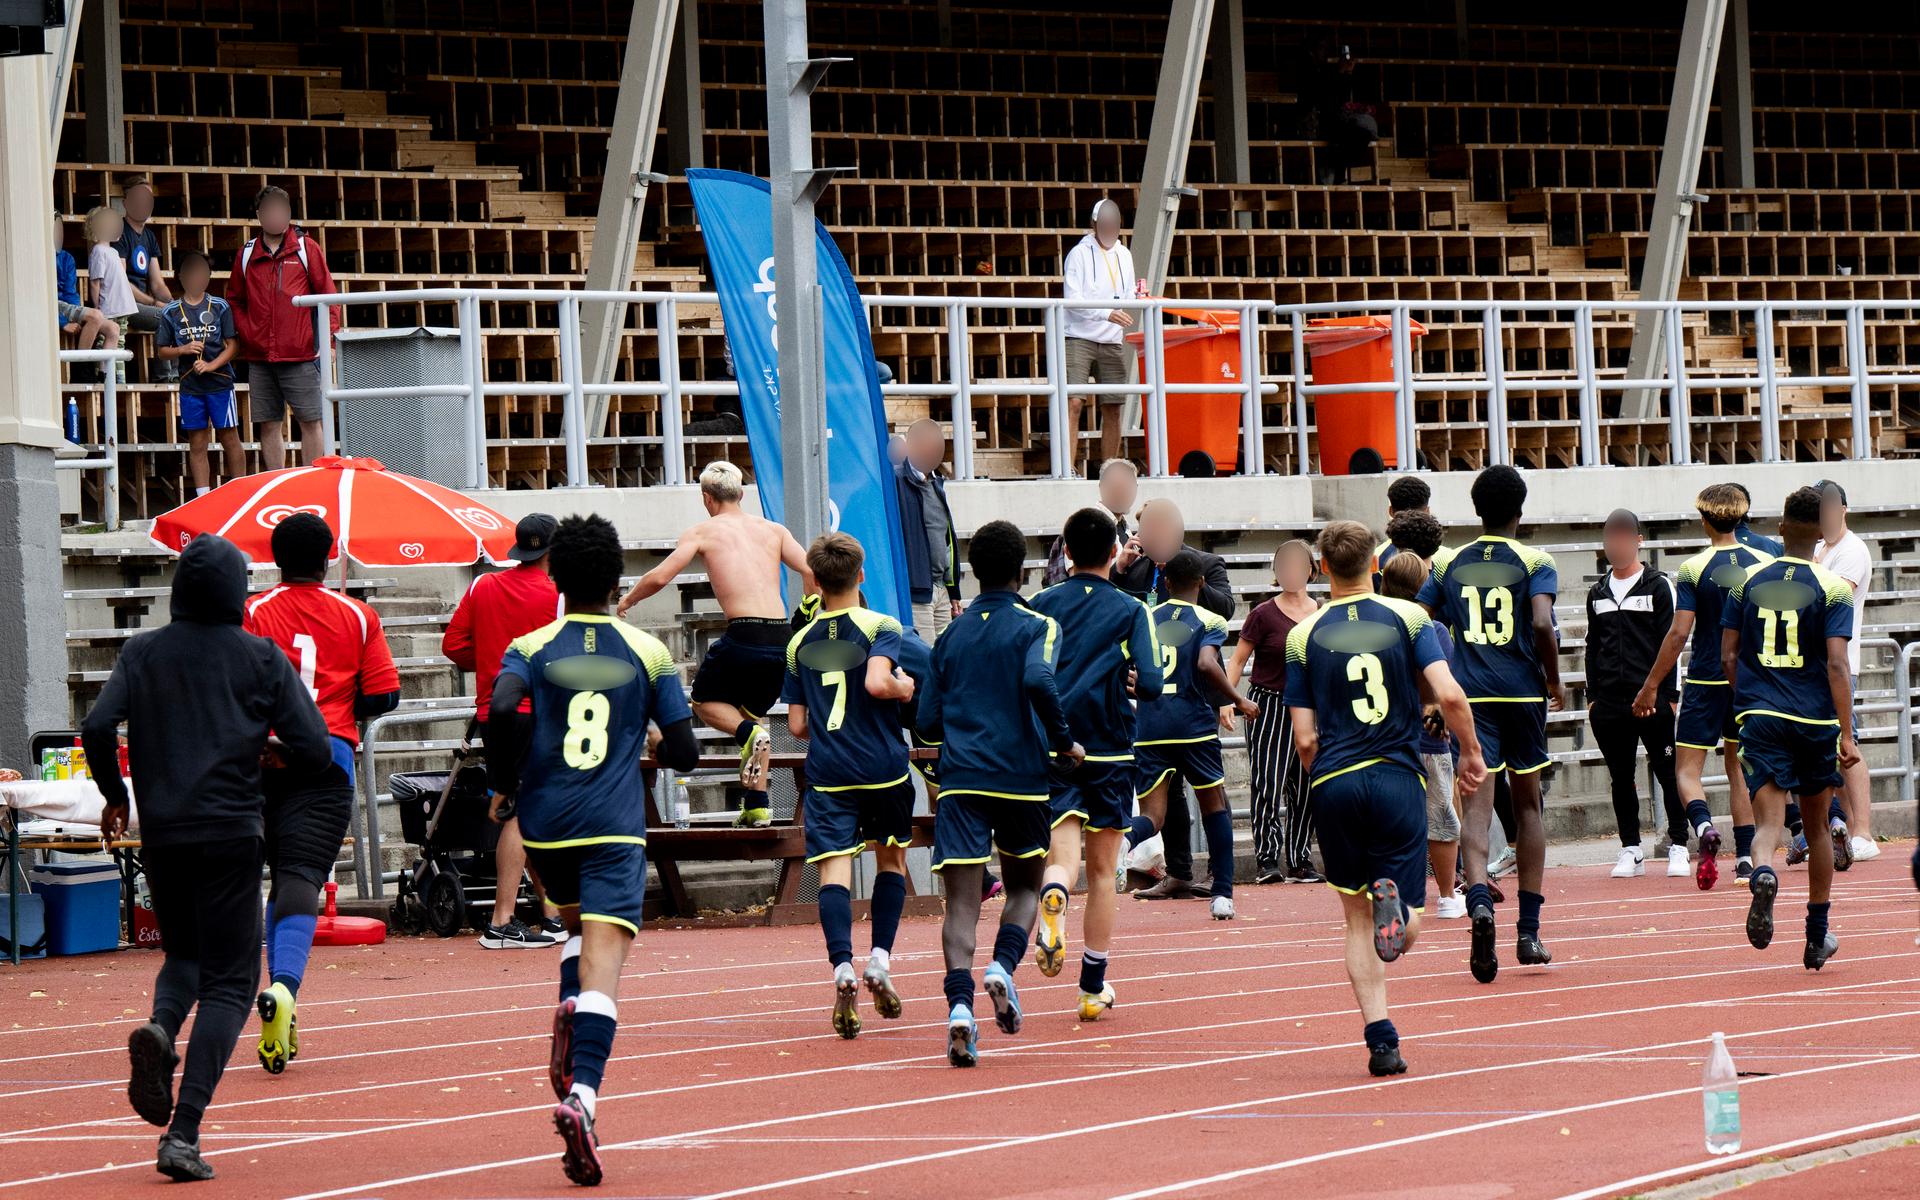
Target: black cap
{"points": [[1825, 485], [533, 537], [1623, 518]]}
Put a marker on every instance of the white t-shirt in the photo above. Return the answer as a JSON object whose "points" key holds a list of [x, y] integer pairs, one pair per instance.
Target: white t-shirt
{"points": [[1097, 273], [116, 294], [1850, 560], [1622, 588]]}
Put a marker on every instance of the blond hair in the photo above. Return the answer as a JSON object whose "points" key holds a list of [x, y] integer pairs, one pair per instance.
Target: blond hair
{"points": [[722, 481], [1722, 506], [95, 215], [1404, 575]]}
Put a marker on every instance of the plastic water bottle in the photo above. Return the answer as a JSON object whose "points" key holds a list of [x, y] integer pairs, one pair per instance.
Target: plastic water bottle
{"points": [[73, 420], [682, 803], [1720, 1097]]}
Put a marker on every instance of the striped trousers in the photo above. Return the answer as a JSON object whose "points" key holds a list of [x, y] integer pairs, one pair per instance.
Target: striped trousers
{"points": [[1279, 786]]}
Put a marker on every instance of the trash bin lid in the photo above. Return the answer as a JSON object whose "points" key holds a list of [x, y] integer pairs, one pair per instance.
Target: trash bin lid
{"points": [[395, 332], [1332, 334]]}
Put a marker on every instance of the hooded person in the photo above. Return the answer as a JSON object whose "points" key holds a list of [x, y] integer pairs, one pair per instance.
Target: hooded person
{"points": [[198, 697], [1099, 270]]}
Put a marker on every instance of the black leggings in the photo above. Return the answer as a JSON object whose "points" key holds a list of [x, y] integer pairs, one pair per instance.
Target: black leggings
{"points": [[1620, 738], [206, 898]]}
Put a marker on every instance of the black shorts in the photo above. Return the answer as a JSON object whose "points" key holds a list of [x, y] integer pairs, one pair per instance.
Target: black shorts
{"points": [[1513, 734], [606, 881], [1372, 824], [969, 827], [306, 817], [1099, 793], [746, 666], [1706, 717], [1794, 756], [1199, 763], [843, 822]]}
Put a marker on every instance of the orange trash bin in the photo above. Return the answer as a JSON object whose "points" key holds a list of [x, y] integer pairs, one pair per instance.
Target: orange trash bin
{"points": [[1207, 352], [1354, 350]]}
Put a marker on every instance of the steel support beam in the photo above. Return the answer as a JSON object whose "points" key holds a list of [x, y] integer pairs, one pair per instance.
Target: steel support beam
{"points": [[623, 190], [1227, 53], [1734, 92], [686, 116], [1157, 203], [1674, 196], [60, 72], [791, 78], [105, 98]]}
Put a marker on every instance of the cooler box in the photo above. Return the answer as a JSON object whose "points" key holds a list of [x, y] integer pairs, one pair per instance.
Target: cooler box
{"points": [[83, 905], [33, 924], [1208, 352], [1354, 350]]}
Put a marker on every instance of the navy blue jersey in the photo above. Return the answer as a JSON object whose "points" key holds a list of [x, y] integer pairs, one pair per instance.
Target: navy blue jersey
{"points": [[595, 684], [1785, 610], [1103, 632], [1484, 592], [1701, 588], [209, 322], [1745, 535], [853, 740], [1356, 663], [991, 704], [1185, 711]]}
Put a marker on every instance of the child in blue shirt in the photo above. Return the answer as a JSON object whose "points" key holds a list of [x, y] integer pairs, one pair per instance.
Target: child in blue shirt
{"points": [[197, 330]]}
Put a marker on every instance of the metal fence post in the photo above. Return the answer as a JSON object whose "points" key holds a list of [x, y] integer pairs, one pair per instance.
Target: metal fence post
{"points": [[1403, 422], [1769, 390], [1903, 679], [1679, 397], [1064, 436], [471, 377], [1589, 395], [1303, 464], [960, 374], [323, 359], [1493, 357], [673, 445], [573, 421], [1156, 406], [1253, 450], [1857, 367], [110, 445]]}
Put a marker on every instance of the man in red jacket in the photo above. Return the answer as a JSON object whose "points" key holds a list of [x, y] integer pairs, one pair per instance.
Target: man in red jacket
{"points": [[276, 339], [497, 609]]}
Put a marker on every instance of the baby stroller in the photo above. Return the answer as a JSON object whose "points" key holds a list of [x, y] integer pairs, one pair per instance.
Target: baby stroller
{"points": [[444, 813]]}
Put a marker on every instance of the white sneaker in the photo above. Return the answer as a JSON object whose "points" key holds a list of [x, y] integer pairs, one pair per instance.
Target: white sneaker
{"points": [[1678, 866], [1450, 908], [1503, 863], [1864, 848], [1149, 857], [1631, 864], [1223, 908]]}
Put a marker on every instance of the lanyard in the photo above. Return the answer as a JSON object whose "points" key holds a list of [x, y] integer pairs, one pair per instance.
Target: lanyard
{"points": [[1113, 272]]}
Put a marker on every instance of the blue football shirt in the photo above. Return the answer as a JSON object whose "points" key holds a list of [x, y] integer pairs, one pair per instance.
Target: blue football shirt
{"points": [[1356, 663], [1184, 712], [1484, 592], [853, 740], [1701, 588], [1785, 610]]}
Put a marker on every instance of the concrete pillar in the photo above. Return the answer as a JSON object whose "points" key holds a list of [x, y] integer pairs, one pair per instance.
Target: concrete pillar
{"points": [[33, 662], [1228, 56], [685, 110], [1733, 89], [105, 98], [1157, 203]]}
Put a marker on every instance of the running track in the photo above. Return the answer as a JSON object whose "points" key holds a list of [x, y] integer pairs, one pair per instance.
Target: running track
{"points": [[1230, 1068]]}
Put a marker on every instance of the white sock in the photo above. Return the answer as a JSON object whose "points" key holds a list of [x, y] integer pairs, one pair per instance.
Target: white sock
{"points": [[588, 1097], [880, 958], [200, 491], [571, 949], [1700, 830]]}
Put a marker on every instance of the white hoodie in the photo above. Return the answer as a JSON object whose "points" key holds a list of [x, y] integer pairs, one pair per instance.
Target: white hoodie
{"points": [[1098, 275]]}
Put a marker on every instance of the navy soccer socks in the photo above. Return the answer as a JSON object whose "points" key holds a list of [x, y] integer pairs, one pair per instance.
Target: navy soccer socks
{"points": [[836, 921], [1218, 827], [595, 1018], [889, 900]]}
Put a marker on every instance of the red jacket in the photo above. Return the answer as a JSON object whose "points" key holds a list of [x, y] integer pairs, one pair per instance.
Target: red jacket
{"points": [[261, 288], [497, 609]]}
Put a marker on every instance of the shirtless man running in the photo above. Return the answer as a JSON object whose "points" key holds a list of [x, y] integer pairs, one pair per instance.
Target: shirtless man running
{"points": [[741, 675]]}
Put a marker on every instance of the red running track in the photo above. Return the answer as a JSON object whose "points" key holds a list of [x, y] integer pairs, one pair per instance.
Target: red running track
{"points": [[1230, 1068]]}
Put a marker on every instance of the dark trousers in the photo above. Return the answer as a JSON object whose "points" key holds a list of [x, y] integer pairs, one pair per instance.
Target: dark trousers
{"points": [[1177, 831], [1620, 736], [207, 901]]}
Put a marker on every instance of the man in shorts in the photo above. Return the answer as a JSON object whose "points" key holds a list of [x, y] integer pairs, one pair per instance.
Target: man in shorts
{"points": [[745, 668], [283, 373], [1099, 270]]}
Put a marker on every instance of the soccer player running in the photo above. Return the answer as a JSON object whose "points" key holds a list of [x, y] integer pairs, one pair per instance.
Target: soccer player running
{"points": [[1105, 633], [1496, 593], [1706, 699], [1356, 674], [572, 765], [336, 644], [992, 706], [843, 692], [744, 670], [1783, 644], [1180, 731]]}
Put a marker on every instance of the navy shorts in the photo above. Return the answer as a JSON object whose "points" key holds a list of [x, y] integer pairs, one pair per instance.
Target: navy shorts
{"points": [[1372, 824], [1196, 762], [746, 666], [1099, 793], [1513, 734], [1706, 717], [202, 410], [843, 822], [1791, 755], [606, 881], [969, 827], [929, 768]]}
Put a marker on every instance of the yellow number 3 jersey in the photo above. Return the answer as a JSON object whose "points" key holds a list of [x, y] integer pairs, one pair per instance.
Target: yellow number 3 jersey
{"points": [[1785, 611], [1484, 592], [1356, 663], [596, 683]]}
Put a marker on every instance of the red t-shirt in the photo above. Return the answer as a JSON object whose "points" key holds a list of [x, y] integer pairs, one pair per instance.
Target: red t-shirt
{"points": [[334, 642], [497, 609]]}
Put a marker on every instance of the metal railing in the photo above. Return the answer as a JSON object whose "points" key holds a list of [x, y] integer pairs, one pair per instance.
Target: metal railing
{"points": [[1260, 323], [369, 876], [108, 457]]}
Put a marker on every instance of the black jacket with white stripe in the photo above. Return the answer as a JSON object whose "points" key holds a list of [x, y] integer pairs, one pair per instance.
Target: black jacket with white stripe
{"points": [[1623, 640]]}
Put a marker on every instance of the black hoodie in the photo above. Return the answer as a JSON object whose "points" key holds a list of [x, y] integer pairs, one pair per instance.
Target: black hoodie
{"points": [[198, 697]]}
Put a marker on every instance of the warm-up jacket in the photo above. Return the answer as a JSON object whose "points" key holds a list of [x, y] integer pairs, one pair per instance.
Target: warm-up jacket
{"points": [[1623, 639], [261, 288], [198, 697]]}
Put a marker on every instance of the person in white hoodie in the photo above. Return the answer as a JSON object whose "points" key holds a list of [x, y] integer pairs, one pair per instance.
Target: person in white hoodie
{"points": [[1099, 268]]}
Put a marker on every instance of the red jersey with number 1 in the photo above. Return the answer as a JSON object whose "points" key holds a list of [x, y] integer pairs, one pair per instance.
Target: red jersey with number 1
{"points": [[334, 642]]}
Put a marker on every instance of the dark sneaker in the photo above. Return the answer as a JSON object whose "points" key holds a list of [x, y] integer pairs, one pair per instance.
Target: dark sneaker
{"points": [[1482, 959], [1742, 870], [1385, 1060], [551, 929], [1270, 873], [150, 1073], [1797, 850], [1389, 920], [514, 935], [1531, 951], [1708, 872], [1760, 912], [1303, 872], [560, 1051], [581, 1159], [1817, 956], [180, 1161]]}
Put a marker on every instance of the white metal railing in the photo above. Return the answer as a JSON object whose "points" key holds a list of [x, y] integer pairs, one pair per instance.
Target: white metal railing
{"points": [[1258, 321], [108, 457]]}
